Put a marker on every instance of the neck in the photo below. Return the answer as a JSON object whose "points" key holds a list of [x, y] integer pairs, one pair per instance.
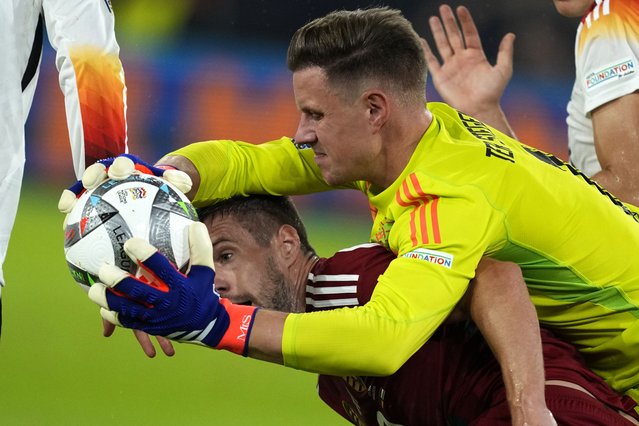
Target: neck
{"points": [[399, 144], [300, 277]]}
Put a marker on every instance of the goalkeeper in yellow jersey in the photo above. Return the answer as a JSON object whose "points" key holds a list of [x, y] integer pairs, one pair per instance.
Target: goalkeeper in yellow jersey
{"points": [[445, 190]]}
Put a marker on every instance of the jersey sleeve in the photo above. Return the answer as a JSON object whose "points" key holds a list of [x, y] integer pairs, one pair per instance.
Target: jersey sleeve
{"points": [[607, 55], [228, 168], [412, 298], [90, 76]]}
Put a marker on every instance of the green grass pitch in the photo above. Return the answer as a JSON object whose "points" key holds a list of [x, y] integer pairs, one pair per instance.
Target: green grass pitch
{"points": [[57, 369]]}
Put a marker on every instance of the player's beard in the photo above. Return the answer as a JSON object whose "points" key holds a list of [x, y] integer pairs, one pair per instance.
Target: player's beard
{"points": [[278, 291]]}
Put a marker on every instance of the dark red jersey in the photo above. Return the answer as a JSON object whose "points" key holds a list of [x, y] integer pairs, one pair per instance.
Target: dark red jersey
{"points": [[454, 378]]}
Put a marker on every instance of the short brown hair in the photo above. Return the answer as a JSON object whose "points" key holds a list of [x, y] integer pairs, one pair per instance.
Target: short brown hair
{"points": [[353, 46], [261, 215]]}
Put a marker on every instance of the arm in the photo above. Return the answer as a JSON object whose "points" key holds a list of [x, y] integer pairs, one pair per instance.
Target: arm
{"points": [[465, 79], [222, 168], [616, 134], [91, 78], [500, 306]]}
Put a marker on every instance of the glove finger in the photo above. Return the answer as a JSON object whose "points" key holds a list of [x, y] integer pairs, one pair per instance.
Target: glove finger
{"points": [[110, 316], [179, 179], [157, 268], [126, 285], [97, 295], [94, 175], [122, 168], [111, 275], [67, 201], [127, 309], [200, 247]]}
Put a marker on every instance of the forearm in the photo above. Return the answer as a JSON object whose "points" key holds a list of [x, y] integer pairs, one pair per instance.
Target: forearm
{"points": [[501, 308], [621, 185], [265, 342], [224, 168], [494, 116]]}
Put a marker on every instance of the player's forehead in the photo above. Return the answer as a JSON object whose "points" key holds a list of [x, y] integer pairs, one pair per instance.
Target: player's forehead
{"points": [[228, 228]]}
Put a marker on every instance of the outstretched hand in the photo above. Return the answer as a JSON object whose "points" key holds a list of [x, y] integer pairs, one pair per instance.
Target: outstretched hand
{"points": [[465, 79]]}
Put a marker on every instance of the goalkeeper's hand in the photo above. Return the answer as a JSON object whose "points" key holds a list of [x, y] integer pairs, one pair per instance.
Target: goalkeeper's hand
{"points": [[118, 168], [165, 302]]}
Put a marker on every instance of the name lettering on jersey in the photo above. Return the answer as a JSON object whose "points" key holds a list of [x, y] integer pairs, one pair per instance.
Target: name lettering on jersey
{"points": [[424, 216], [556, 162], [610, 73], [432, 256], [494, 147]]}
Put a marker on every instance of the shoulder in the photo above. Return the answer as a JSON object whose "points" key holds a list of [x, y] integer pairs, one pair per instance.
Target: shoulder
{"points": [[609, 21], [347, 278]]}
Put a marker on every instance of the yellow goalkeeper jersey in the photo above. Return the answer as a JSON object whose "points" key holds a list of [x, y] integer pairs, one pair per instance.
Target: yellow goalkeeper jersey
{"points": [[467, 191]]}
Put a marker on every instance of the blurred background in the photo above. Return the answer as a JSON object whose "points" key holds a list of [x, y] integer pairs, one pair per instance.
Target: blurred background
{"points": [[198, 70]]}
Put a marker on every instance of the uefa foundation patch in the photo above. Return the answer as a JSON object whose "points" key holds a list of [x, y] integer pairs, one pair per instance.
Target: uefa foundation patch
{"points": [[610, 73], [433, 256]]}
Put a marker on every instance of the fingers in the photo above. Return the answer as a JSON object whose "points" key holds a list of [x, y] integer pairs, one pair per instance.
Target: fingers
{"points": [[157, 269], [67, 201], [145, 343], [166, 346], [505, 54], [200, 247], [94, 175], [122, 168], [139, 249], [179, 179], [110, 316], [107, 328], [452, 29], [431, 60], [439, 35], [469, 29]]}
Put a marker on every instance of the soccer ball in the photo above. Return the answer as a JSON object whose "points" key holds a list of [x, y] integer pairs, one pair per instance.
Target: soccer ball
{"points": [[105, 217]]}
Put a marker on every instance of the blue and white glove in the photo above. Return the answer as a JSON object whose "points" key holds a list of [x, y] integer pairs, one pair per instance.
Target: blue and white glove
{"points": [[119, 168], [165, 302]]}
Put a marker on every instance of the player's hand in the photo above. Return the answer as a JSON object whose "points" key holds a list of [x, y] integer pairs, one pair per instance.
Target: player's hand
{"points": [[165, 302], [118, 168], [144, 340], [465, 79]]}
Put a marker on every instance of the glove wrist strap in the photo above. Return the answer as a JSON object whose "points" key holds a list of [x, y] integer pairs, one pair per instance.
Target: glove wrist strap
{"points": [[237, 335]]}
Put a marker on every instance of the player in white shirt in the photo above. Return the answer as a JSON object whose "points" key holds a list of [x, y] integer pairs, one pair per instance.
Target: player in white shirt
{"points": [[603, 129], [91, 79]]}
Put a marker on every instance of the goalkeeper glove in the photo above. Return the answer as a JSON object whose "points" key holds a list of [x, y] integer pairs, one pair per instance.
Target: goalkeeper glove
{"points": [[118, 168], [165, 302]]}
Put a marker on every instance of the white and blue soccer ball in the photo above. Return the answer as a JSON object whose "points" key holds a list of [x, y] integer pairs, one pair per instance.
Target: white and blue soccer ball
{"points": [[105, 217]]}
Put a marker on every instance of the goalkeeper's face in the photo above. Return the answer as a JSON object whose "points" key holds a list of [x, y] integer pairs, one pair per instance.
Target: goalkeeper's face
{"points": [[246, 272], [339, 125]]}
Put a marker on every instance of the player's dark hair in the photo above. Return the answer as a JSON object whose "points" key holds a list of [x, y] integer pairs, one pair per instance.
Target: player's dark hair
{"points": [[354, 46], [261, 215]]}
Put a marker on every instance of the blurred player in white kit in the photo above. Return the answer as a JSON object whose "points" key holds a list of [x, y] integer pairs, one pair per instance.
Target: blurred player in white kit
{"points": [[90, 76]]}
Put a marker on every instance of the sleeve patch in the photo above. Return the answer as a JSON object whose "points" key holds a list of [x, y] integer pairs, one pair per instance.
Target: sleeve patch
{"points": [[610, 73], [432, 256]]}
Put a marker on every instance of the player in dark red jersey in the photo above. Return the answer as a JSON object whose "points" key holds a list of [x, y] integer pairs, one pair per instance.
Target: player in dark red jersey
{"points": [[262, 256]]}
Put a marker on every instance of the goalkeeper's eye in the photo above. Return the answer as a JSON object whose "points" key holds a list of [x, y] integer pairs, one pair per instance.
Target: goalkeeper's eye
{"points": [[224, 257]]}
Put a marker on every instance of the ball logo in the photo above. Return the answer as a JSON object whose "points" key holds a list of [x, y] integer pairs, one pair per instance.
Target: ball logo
{"points": [[136, 193]]}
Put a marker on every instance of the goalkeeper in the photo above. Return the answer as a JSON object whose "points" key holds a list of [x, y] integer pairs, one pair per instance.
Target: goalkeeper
{"points": [[445, 190]]}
